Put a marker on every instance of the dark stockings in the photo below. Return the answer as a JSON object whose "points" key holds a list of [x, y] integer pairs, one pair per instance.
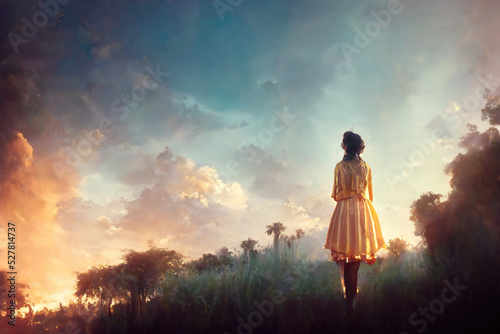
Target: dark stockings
{"points": [[349, 278]]}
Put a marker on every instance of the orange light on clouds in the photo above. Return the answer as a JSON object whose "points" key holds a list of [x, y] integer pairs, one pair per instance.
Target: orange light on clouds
{"points": [[29, 199]]}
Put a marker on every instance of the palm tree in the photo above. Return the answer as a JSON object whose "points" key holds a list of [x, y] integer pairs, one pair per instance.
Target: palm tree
{"points": [[275, 229], [299, 234], [290, 240], [249, 245], [248, 248]]}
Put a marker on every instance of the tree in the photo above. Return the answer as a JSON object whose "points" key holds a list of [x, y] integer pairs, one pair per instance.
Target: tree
{"points": [[429, 215], [476, 140], [398, 246], [491, 110], [475, 179], [249, 246], [146, 270], [136, 278], [225, 257], [275, 230], [289, 242], [208, 262], [88, 284], [299, 234], [104, 282]]}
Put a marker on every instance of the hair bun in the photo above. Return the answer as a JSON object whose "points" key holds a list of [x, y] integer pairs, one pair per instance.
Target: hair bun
{"points": [[352, 143], [347, 133]]}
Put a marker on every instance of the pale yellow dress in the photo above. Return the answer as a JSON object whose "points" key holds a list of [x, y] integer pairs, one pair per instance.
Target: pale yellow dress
{"points": [[354, 233]]}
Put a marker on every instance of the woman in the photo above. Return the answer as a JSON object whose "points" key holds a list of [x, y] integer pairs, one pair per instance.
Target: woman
{"points": [[354, 235]]}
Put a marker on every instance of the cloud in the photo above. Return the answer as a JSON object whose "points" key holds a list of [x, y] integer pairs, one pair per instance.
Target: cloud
{"points": [[29, 200], [184, 202], [479, 39], [271, 177], [11, 113]]}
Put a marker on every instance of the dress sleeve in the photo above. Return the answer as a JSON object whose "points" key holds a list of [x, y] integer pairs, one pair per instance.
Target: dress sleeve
{"points": [[370, 186], [336, 182]]}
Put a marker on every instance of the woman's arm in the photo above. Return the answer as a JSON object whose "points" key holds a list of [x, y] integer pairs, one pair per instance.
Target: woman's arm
{"points": [[370, 187], [336, 182]]}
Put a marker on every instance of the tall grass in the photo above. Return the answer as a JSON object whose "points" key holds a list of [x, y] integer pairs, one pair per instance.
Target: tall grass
{"points": [[262, 294], [306, 297]]}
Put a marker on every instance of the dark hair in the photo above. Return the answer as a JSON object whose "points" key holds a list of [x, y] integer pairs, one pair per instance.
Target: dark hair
{"points": [[352, 144]]}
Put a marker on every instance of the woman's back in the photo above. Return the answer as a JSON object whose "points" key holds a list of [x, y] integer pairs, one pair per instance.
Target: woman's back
{"points": [[352, 178]]}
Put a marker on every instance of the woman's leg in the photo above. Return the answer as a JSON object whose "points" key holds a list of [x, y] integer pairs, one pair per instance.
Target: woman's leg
{"points": [[351, 283], [342, 280]]}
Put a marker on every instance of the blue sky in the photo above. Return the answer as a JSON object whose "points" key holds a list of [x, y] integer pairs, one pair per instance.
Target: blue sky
{"points": [[238, 127]]}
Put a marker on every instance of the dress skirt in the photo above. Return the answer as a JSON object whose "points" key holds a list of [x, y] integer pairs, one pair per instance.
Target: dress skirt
{"points": [[354, 233]]}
